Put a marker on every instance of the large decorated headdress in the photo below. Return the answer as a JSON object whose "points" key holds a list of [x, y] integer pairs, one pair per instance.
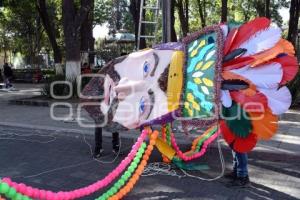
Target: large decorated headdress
{"points": [[231, 75]]}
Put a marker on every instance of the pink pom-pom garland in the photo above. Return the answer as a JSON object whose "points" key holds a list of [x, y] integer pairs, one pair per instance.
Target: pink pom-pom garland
{"points": [[82, 192], [184, 157]]}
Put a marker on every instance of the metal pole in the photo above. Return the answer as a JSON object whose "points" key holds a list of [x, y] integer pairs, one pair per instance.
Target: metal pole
{"points": [[166, 14]]}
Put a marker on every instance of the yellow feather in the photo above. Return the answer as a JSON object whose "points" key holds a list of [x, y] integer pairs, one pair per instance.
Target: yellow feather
{"points": [[196, 106], [207, 65], [199, 65], [190, 97], [195, 51], [197, 80], [208, 82]]}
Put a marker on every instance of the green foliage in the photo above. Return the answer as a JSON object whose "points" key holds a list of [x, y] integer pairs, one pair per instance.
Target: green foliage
{"points": [[115, 13]]}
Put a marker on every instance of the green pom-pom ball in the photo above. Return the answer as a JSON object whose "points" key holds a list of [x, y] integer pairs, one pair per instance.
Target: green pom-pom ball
{"points": [[11, 193], [4, 187]]}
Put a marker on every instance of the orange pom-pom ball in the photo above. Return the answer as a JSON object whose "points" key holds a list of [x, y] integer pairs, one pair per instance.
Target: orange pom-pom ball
{"points": [[146, 157], [148, 152], [144, 163], [150, 148]]}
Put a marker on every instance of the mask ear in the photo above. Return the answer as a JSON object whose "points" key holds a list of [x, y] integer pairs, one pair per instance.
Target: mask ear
{"points": [[203, 54]]}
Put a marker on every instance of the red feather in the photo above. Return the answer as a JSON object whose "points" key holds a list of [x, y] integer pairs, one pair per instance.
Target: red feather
{"points": [[249, 29], [255, 103], [229, 40], [241, 145], [237, 63], [289, 66]]}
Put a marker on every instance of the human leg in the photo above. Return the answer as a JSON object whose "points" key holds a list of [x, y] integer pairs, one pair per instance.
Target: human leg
{"points": [[233, 174], [115, 142], [242, 178], [98, 142], [242, 164]]}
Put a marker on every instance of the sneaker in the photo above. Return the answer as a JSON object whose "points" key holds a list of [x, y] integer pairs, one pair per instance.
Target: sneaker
{"points": [[98, 153], [241, 182], [231, 175]]}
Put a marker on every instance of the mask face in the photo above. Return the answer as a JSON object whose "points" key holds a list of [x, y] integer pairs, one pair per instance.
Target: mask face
{"points": [[153, 86], [135, 88]]}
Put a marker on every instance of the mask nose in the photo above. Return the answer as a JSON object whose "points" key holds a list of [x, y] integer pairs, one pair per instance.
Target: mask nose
{"points": [[127, 87]]}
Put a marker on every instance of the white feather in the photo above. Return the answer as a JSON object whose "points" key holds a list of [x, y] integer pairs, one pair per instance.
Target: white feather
{"points": [[264, 76], [210, 54], [226, 98], [197, 74], [205, 90], [278, 100], [262, 41], [224, 28]]}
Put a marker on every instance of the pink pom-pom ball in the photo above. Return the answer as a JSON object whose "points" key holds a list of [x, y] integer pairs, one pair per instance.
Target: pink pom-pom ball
{"points": [[89, 190], [105, 182], [76, 193], [35, 193], [22, 188], [42, 194], [14, 185], [7, 180], [29, 191], [50, 195], [67, 195], [100, 184], [60, 195], [72, 195]]}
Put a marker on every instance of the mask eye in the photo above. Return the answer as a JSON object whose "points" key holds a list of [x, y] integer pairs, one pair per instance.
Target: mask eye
{"points": [[146, 69], [142, 105]]}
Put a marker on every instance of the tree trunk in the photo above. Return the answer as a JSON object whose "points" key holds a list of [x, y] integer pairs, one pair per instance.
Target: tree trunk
{"points": [[134, 8], [182, 13], [201, 10], [268, 14], [50, 31], [72, 22], [224, 11], [173, 32], [259, 7], [87, 39], [293, 23], [187, 15]]}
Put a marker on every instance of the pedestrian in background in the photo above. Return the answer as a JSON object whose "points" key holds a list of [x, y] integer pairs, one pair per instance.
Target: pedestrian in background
{"points": [[8, 75], [98, 142]]}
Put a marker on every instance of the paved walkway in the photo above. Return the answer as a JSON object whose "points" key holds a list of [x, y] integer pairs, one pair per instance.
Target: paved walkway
{"points": [[61, 150]]}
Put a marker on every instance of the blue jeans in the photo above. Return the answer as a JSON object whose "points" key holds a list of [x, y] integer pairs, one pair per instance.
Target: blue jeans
{"points": [[240, 164]]}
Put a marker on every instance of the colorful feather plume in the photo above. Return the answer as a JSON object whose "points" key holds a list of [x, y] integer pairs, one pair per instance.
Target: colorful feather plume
{"points": [[255, 54]]}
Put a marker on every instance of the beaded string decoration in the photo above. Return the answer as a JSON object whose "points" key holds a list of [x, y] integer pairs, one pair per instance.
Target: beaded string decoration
{"points": [[78, 193]]}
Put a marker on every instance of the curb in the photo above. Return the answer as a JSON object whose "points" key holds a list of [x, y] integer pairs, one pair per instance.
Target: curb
{"points": [[38, 103]]}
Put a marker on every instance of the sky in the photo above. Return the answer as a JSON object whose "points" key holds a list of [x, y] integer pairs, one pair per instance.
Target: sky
{"points": [[102, 31]]}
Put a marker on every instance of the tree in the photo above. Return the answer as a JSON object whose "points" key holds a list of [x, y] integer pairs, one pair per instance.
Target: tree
{"points": [[87, 39], [183, 13], [224, 11], [135, 7], [25, 28], [73, 18], [202, 11], [50, 30], [173, 31], [293, 22], [267, 9]]}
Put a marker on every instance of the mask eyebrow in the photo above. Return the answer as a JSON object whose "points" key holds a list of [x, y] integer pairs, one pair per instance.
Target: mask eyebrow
{"points": [[156, 58]]}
